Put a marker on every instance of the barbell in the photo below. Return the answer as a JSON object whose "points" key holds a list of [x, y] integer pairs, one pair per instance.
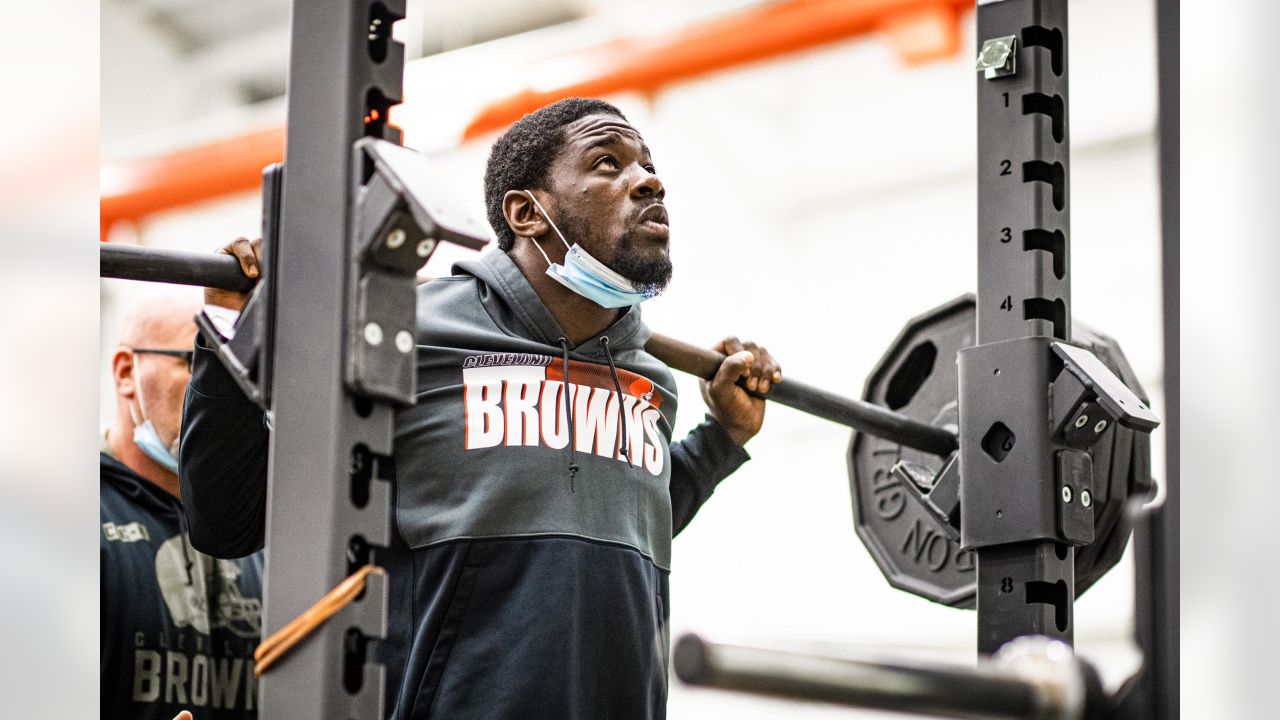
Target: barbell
{"points": [[223, 272], [905, 432]]}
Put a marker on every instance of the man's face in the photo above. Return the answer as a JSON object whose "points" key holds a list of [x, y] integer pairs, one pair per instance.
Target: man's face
{"points": [[161, 380], [606, 196]]}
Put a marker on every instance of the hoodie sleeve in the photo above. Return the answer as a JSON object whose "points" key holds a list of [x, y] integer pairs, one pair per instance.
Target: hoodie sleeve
{"points": [[222, 462], [699, 462]]}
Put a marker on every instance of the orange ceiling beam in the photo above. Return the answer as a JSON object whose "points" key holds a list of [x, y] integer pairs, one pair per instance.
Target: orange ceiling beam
{"points": [[139, 188], [921, 30]]}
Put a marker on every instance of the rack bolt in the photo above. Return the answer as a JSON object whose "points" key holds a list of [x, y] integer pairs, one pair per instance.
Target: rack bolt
{"points": [[404, 342], [395, 238], [1066, 493], [998, 57], [373, 334], [1086, 499], [1082, 421], [1102, 425]]}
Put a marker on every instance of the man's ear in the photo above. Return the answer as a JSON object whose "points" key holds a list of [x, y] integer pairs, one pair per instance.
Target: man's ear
{"points": [[523, 217], [122, 372]]}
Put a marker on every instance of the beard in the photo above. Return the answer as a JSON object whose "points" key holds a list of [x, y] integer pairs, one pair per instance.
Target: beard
{"points": [[646, 265], [649, 270]]}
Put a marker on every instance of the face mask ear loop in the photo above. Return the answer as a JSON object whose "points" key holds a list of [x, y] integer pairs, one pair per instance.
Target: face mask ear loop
{"points": [[549, 222], [544, 252]]}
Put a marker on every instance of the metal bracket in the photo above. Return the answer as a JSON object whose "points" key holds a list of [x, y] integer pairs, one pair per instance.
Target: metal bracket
{"points": [[242, 355], [940, 495], [1088, 397], [998, 57], [247, 356], [424, 191], [403, 210], [1075, 496]]}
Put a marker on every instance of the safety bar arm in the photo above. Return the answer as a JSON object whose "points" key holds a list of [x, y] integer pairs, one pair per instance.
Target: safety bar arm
{"points": [[1032, 678]]}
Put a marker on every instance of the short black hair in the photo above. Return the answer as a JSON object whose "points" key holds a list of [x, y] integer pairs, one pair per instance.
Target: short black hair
{"points": [[521, 157]]}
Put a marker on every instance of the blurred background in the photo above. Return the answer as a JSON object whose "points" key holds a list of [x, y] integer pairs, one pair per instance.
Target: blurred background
{"points": [[819, 198]]}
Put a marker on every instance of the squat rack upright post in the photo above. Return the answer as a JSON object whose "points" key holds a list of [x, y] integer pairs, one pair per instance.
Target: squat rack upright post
{"points": [[1014, 509], [345, 72]]}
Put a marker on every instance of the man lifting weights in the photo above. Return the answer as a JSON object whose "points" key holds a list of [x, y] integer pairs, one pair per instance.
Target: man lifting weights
{"points": [[537, 484]]}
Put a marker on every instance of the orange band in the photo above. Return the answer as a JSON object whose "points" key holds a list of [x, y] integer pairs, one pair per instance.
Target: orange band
{"points": [[286, 637]]}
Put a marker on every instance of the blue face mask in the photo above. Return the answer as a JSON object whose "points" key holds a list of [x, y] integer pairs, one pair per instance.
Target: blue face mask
{"points": [[148, 440], [589, 277]]}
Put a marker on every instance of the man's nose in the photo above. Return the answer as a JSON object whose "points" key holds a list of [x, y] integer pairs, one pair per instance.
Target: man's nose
{"points": [[648, 185]]}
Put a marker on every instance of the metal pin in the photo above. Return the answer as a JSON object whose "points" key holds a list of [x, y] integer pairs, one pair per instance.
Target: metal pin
{"points": [[1086, 499], [1066, 493], [395, 238], [1082, 421], [425, 247], [373, 334], [1102, 425]]}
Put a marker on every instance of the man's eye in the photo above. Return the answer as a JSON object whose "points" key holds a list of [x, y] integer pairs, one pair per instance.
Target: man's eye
{"points": [[607, 159]]}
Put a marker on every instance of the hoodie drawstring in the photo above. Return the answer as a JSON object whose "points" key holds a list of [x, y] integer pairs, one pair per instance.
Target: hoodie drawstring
{"points": [[617, 386], [568, 410]]}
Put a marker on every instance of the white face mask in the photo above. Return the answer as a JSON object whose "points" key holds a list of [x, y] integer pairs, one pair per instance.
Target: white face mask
{"points": [[147, 438], [587, 276]]}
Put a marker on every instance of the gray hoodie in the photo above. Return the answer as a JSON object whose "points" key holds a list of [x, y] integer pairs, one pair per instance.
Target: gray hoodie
{"points": [[497, 464]]}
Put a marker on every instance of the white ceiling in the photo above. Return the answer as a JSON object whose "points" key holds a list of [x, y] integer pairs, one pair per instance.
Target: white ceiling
{"points": [[172, 69], [244, 43]]}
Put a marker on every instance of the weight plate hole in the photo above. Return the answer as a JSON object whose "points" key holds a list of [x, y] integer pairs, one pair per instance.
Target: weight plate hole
{"points": [[911, 375]]}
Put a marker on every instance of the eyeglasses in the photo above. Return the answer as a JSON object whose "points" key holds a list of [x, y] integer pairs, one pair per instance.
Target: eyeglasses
{"points": [[186, 356]]}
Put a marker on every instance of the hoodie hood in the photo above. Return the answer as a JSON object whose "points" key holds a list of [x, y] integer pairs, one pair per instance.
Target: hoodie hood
{"points": [[512, 303], [136, 488]]}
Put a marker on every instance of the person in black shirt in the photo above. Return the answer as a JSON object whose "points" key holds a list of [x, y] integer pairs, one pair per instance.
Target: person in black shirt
{"points": [[178, 627]]}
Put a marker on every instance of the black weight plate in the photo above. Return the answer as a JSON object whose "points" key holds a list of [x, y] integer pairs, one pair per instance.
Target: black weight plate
{"points": [[917, 376]]}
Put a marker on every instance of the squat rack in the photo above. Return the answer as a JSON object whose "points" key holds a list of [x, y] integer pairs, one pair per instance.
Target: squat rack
{"points": [[353, 218], [1017, 512]]}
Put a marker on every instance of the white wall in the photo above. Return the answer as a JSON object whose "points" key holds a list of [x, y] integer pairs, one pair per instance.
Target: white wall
{"points": [[817, 203]]}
